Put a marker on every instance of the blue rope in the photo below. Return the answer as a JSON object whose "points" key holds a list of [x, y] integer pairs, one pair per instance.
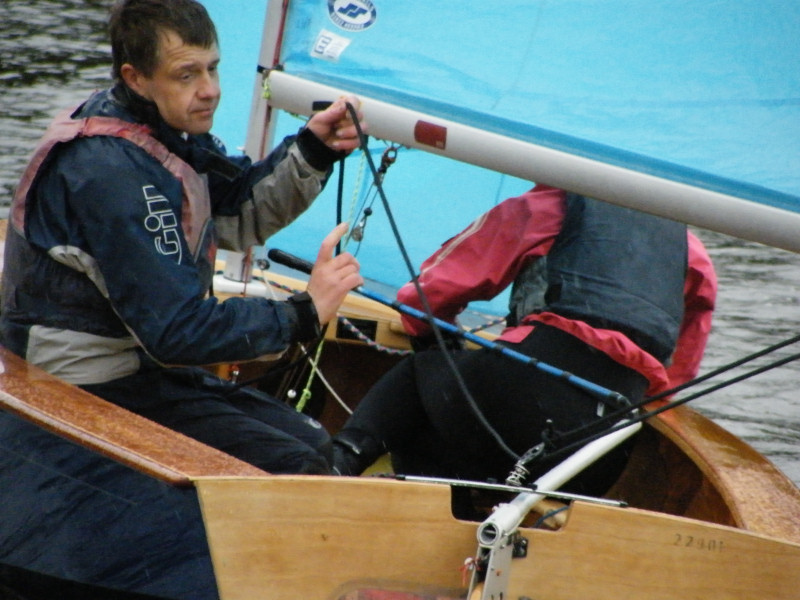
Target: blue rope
{"points": [[604, 393]]}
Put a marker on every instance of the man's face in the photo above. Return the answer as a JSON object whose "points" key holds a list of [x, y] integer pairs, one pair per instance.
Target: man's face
{"points": [[184, 86]]}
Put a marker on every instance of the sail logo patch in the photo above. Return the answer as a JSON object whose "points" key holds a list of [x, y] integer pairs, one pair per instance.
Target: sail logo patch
{"points": [[352, 15]]}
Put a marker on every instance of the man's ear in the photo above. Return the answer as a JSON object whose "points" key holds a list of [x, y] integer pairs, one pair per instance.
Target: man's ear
{"points": [[134, 79]]}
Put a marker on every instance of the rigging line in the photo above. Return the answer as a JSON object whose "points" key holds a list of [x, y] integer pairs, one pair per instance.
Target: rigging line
{"points": [[369, 341], [426, 305], [616, 414], [305, 395], [487, 325], [356, 231], [670, 405], [314, 364], [364, 210], [723, 369], [376, 181], [339, 195], [354, 199]]}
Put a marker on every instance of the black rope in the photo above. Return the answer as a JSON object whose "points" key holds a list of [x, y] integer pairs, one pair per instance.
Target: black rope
{"points": [[614, 416], [643, 416], [339, 196], [423, 298]]}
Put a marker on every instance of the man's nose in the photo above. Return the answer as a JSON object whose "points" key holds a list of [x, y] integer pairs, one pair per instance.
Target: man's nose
{"points": [[209, 86]]}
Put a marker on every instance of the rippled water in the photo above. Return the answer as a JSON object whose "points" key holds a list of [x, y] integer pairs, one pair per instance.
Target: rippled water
{"points": [[53, 52]]}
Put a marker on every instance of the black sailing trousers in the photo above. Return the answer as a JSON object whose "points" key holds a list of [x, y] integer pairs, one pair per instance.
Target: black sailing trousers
{"points": [[419, 412]]}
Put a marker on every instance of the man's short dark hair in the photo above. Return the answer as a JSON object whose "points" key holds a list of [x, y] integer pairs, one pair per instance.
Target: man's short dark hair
{"points": [[135, 27]]}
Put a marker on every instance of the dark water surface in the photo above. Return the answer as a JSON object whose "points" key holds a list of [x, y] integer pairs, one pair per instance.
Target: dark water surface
{"points": [[54, 52]]}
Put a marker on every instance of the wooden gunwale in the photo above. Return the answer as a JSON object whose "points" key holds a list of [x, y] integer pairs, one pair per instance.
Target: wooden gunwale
{"points": [[83, 418]]}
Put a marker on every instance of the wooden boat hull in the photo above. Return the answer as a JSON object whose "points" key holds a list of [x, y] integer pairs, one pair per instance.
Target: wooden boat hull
{"points": [[291, 537]]}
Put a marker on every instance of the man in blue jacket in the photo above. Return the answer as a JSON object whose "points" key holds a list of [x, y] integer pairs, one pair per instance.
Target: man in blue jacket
{"points": [[114, 227]]}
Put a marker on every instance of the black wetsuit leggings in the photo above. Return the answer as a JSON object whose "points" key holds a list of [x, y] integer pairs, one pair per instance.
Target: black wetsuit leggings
{"points": [[418, 410]]}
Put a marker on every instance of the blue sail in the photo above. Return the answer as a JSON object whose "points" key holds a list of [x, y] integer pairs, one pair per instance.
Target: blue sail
{"points": [[685, 109]]}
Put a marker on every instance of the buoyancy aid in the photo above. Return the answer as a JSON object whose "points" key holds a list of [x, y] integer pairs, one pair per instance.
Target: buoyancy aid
{"points": [[587, 281], [195, 214], [79, 304]]}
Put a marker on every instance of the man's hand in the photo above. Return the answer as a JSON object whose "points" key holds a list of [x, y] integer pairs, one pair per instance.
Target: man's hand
{"points": [[332, 276], [334, 125]]}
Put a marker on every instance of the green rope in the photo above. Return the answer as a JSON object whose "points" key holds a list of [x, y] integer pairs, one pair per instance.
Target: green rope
{"points": [[305, 395]]}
